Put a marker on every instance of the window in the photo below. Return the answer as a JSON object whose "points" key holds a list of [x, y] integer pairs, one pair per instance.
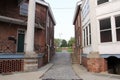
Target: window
{"points": [[24, 9], [89, 34], [101, 1], [84, 37], [105, 30], [117, 21], [85, 9]]}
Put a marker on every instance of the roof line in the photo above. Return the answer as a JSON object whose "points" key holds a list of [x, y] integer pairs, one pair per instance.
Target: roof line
{"points": [[47, 5]]}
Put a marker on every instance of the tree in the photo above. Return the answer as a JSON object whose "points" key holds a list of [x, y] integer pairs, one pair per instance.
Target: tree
{"points": [[64, 43], [57, 42], [71, 42]]}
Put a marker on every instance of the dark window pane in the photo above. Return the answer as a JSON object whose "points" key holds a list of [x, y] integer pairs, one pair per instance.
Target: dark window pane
{"points": [[101, 1], [106, 36], [90, 39], [89, 28], [84, 37], [105, 24], [87, 34], [117, 21], [118, 34]]}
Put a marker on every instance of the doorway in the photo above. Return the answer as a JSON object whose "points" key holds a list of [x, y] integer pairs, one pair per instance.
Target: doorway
{"points": [[20, 43], [113, 64]]}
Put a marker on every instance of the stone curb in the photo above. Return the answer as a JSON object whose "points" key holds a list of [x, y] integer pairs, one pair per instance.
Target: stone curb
{"points": [[45, 69]]}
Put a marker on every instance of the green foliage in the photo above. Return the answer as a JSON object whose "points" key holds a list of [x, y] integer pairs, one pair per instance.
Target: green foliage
{"points": [[71, 42], [64, 43], [57, 42]]}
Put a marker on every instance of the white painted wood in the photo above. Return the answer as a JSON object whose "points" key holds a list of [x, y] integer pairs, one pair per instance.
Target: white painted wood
{"points": [[30, 27]]}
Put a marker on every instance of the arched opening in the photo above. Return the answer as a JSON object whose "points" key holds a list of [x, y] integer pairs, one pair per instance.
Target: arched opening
{"points": [[113, 64]]}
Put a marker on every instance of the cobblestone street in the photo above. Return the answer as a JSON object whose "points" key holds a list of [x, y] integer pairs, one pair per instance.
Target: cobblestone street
{"points": [[62, 68]]}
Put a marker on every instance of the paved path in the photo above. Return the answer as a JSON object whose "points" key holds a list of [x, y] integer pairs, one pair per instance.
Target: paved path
{"points": [[27, 75], [62, 68], [85, 75]]}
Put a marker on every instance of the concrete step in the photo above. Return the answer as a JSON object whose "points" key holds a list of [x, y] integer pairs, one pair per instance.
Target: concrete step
{"points": [[74, 59]]}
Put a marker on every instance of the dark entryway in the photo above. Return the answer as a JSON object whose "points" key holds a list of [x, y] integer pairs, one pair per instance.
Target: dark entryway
{"points": [[113, 65], [20, 44]]}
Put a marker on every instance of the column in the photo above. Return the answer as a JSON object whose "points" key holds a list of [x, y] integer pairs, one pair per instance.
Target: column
{"points": [[113, 29], [30, 28], [94, 30], [30, 59]]}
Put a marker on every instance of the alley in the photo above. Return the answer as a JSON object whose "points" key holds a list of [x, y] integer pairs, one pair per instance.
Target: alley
{"points": [[62, 68]]}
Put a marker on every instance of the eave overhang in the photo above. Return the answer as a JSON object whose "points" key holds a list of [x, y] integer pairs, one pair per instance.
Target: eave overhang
{"points": [[77, 9]]}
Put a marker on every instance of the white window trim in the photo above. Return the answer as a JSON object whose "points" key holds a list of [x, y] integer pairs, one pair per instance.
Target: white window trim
{"points": [[86, 37], [116, 28]]}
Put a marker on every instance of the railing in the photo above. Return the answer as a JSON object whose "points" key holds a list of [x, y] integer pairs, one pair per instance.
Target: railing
{"points": [[39, 49], [7, 46], [39, 22]]}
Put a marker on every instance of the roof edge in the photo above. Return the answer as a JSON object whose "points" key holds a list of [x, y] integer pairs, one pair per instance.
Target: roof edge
{"points": [[76, 10]]}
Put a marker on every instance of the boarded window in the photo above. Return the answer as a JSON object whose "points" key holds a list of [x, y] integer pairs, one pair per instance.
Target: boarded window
{"points": [[101, 1], [24, 9], [117, 21], [105, 30]]}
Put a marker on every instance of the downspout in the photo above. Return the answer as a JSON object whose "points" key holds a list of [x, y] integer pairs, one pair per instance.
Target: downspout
{"points": [[81, 49], [47, 24]]}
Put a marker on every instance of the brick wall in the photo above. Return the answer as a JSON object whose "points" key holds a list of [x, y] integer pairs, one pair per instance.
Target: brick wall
{"points": [[84, 62], [10, 8], [95, 64], [8, 30], [11, 65]]}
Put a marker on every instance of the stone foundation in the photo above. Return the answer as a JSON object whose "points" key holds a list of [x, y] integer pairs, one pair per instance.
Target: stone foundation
{"points": [[30, 62]]}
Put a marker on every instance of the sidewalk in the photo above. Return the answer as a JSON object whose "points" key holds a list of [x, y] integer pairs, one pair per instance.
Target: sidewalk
{"points": [[36, 75], [85, 75]]}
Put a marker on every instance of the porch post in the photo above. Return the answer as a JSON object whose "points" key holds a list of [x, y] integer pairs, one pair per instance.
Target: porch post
{"points": [[94, 31], [30, 27], [30, 60]]}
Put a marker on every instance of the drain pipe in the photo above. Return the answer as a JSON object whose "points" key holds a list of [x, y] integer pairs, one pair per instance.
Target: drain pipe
{"points": [[47, 25], [48, 53]]}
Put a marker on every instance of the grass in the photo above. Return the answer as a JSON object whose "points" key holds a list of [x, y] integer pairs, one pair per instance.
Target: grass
{"points": [[70, 49], [59, 49]]}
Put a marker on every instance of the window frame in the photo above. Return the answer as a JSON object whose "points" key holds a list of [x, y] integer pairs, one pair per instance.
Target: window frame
{"points": [[24, 9], [117, 27], [105, 30], [90, 39], [102, 2]]}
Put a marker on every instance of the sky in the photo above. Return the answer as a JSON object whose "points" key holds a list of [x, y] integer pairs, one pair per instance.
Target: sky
{"points": [[63, 11]]}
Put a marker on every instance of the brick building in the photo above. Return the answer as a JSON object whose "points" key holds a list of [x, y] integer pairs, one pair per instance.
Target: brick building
{"points": [[26, 35], [78, 33], [100, 23]]}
